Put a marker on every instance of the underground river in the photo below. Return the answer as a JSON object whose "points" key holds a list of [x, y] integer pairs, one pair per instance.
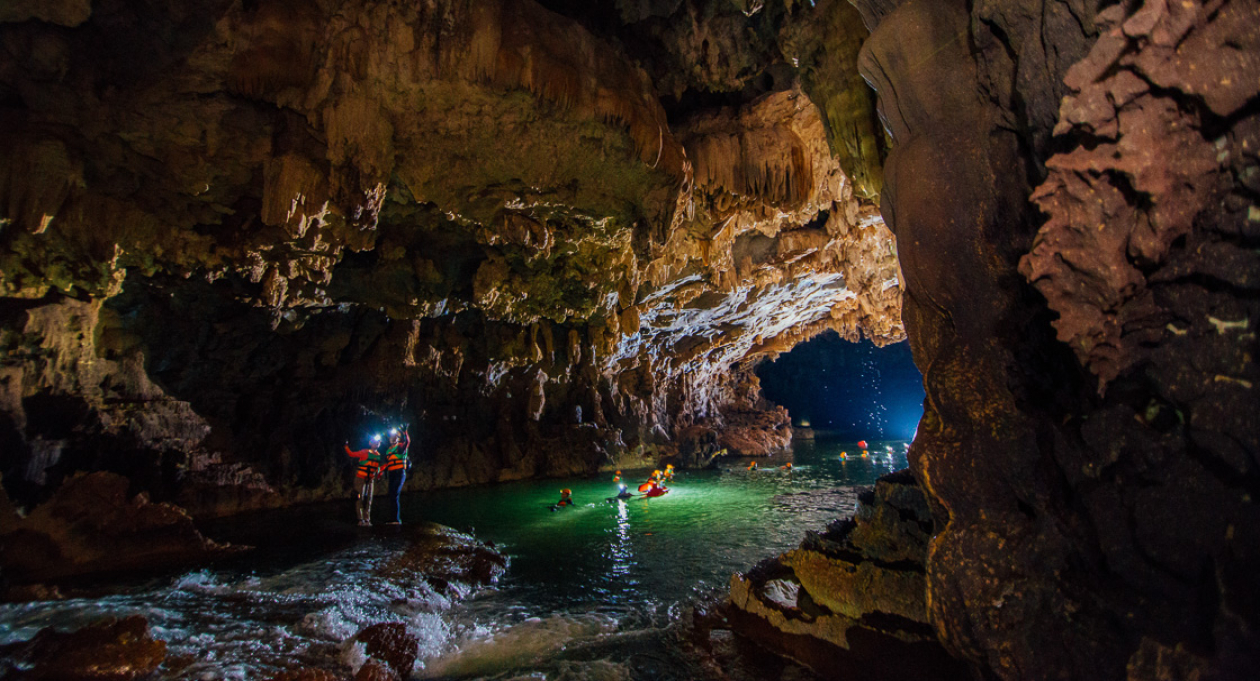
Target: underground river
{"points": [[590, 592]]}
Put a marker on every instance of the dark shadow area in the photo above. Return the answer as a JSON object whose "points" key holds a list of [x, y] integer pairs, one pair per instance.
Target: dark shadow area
{"points": [[853, 389]]}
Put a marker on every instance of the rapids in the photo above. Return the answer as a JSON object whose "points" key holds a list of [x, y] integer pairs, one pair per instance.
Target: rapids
{"points": [[591, 592]]}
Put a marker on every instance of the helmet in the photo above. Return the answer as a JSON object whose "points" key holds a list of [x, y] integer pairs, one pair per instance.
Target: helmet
{"points": [[566, 491], [657, 472], [669, 465], [618, 472]]}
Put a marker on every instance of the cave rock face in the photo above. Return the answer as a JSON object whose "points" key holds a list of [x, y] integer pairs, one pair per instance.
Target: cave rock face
{"points": [[1080, 273], [234, 235]]}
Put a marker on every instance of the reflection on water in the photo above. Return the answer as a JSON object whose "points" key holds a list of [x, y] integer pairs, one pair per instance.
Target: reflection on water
{"points": [[591, 591]]}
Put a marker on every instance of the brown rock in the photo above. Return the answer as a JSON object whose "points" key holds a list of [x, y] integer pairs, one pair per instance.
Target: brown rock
{"points": [[107, 650], [90, 527], [390, 643], [852, 601], [373, 670], [439, 552], [307, 675]]}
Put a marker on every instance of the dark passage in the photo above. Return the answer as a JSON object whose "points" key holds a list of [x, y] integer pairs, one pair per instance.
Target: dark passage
{"points": [[855, 389]]}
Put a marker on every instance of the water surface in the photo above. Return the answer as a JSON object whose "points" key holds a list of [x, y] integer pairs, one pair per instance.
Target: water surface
{"points": [[591, 591]]}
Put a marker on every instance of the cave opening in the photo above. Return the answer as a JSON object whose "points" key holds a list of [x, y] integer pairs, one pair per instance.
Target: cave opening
{"points": [[847, 390]]}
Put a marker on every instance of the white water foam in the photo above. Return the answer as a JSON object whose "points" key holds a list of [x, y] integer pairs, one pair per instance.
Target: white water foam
{"points": [[480, 652]]}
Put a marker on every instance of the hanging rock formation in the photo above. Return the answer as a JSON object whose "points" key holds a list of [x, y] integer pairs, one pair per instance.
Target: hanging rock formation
{"points": [[234, 235]]}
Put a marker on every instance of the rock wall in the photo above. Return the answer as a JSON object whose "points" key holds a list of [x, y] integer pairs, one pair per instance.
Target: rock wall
{"points": [[852, 601], [1080, 270], [235, 234]]}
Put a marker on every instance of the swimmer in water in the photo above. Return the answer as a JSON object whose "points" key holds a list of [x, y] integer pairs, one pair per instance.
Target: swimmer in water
{"points": [[622, 494], [753, 466], [786, 467], [655, 490], [617, 476], [669, 472], [566, 499]]}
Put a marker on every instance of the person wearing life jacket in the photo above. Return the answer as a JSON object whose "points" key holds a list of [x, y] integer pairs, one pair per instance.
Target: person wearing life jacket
{"points": [[655, 476], [396, 466], [622, 494], [368, 470], [617, 476], [566, 499], [753, 466], [669, 472], [655, 490]]}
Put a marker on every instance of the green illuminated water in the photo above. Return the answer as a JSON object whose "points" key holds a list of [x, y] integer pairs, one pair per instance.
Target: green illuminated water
{"points": [[660, 550], [592, 592]]}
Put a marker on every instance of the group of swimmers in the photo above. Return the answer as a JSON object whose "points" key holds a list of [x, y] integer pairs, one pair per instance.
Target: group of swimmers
{"points": [[653, 487], [392, 464], [866, 452]]}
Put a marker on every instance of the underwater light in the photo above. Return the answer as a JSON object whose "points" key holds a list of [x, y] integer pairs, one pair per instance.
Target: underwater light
{"points": [[393, 431]]}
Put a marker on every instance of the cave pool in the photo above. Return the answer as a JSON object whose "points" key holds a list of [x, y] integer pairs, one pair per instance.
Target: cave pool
{"points": [[591, 592]]}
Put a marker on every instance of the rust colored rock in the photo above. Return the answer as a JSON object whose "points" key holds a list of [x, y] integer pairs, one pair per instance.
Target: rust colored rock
{"points": [[373, 670], [1082, 440], [107, 650], [390, 643], [91, 527], [307, 675]]}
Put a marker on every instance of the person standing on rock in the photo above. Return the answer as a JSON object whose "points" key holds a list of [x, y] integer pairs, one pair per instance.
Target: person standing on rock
{"points": [[396, 466], [365, 474]]}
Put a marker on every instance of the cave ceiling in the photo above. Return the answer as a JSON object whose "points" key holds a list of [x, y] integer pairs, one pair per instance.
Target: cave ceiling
{"points": [[538, 206]]}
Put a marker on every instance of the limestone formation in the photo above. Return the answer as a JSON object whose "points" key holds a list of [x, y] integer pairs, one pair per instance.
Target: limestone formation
{"points": [[1088, 446], [852, 601], [226, 252]]}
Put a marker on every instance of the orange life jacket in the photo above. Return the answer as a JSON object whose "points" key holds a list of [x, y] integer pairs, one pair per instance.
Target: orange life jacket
{"points": [[369, 461], [396, 455]]}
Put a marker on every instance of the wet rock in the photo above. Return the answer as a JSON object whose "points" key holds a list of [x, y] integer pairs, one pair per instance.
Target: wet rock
{"points": [[307, 675], [390, 643], [853, 599], [91, 527], [108, 650], [374, 670], [441, 553]]}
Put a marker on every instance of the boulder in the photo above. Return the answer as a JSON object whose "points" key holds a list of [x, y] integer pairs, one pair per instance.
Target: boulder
{"points": [[108, 650], [92, 528], [391, 644], [853, 599], [441, 553]]}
